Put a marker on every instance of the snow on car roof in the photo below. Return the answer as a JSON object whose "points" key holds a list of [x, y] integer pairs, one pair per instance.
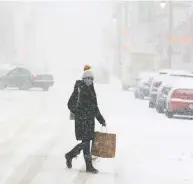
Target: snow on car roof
{"points": [[171, 81], [168, 74], [179, 72], [164, 71], [160, 77], [172, 71], [176, 79], [184, 83]]}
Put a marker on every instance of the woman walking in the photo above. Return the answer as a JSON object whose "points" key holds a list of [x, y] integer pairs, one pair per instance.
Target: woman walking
{"points": [[83, 103]]}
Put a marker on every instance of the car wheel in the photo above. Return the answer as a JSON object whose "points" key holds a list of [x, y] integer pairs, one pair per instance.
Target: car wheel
{"points": [[151, 105], [169, 114], [2, 86], [45, 88], [141, 96], [159, 109], [25, 86]]}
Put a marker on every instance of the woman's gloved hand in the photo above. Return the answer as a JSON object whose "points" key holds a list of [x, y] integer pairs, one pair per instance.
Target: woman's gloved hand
{"points": [[102, 122], [100, 119]]}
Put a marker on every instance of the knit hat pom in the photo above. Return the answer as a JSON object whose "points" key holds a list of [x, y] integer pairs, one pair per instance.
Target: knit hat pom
{"points": [[87, 67]]}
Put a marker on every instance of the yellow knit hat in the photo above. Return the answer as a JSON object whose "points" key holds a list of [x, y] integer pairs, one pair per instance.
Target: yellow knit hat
{"points": [[87, 67]]}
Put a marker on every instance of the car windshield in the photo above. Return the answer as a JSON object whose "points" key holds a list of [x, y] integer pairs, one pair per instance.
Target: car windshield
{"points": [[166, 90], [4, 72]]}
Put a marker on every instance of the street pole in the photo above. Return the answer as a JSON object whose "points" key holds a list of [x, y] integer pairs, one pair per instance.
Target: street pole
{"points": [[125, 41], [122, 28], [126, 15], [170, 33], [119, 36]]}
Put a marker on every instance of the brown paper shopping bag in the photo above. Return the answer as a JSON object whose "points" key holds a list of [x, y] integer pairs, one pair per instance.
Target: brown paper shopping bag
{"points": [[104, 145]]}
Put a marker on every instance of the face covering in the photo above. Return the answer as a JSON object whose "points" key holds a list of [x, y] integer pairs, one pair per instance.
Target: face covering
{"points": [[88, 81]]}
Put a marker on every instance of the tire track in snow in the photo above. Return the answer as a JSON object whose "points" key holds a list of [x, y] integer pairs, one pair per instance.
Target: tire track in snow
{"points": [[81, 178], [13, 143], [31, 166], [25, 125]]}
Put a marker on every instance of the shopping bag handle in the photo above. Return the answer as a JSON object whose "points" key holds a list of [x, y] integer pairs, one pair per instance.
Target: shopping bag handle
{"points": [[103, 127]]}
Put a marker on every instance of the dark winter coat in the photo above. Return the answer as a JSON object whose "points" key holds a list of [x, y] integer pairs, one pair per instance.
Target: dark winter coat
{"points": [[83, 103]]}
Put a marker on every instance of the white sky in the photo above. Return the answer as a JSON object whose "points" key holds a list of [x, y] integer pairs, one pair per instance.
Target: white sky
{"points": [[70, 32]]}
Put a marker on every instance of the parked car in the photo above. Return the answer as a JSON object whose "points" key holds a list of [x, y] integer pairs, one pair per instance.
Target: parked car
{"points": [[166, 87], [143, 85], [25, 79], [161, 101], [163, 92], [180, 100], [158, 80]]}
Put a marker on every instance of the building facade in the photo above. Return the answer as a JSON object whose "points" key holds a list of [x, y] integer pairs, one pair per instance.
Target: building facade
{"points": [[148, 28]]}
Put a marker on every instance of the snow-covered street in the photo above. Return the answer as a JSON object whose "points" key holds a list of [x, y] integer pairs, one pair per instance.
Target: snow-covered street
{"points": [[35, 133]]}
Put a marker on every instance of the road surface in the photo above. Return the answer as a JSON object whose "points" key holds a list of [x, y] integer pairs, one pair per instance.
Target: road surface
{"points": [[35, 133]]}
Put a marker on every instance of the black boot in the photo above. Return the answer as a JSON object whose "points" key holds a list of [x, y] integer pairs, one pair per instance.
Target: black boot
{"points": [[72, 154], [89, 166], [69, 158]]}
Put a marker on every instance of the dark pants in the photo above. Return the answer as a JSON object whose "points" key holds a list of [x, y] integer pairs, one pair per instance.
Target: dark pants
{"points": [[84, 145]]}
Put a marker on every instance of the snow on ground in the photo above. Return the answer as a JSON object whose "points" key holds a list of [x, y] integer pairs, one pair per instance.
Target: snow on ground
{"points": [[35, 133]]}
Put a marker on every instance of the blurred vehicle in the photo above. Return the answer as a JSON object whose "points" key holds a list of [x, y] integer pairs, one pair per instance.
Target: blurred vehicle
{"points": [[24, 79], [138, 62], [180, 99], [158, 80], [166, 87], [160, 75], [166, 71], [143, 85], [162, 97]]}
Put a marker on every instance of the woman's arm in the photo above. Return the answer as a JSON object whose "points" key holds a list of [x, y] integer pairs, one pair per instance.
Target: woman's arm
{"points": [[72, 103], [99, 116]]}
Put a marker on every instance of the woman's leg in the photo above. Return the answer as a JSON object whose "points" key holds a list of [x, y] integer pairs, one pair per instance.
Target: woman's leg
{"points": [[88, 157], [73, 153], [86, 149]]}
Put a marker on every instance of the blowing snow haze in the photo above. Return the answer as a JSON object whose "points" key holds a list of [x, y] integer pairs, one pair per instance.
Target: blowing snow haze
{"points": [[74, 31], [136, 93], [60, 34], [69, 33]]}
